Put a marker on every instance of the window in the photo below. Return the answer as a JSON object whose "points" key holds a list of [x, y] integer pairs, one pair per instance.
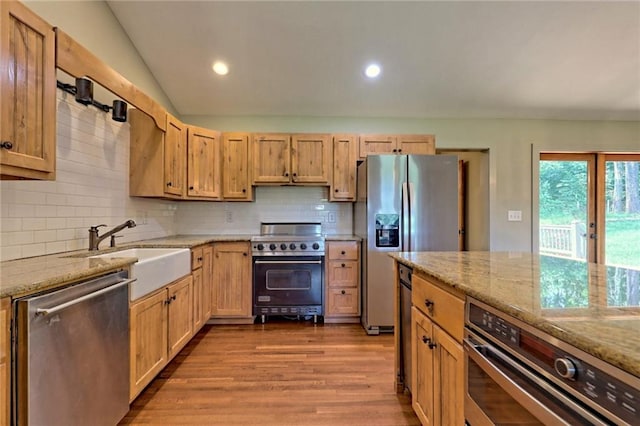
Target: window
{"points": [[590, 207]]}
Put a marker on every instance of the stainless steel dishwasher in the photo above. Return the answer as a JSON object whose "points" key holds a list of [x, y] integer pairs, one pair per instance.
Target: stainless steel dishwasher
{"points": [[70, 354], [404, 275]]}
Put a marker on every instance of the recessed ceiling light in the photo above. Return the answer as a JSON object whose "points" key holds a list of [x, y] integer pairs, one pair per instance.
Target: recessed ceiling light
{"points": [[372, 70], [220, 68]]}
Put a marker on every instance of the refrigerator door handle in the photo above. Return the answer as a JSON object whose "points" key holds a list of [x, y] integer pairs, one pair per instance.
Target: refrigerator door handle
{"points": [[406, 217]]}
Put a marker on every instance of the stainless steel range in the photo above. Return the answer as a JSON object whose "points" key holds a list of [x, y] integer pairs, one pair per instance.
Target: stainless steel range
{"points": [[288, 270]]}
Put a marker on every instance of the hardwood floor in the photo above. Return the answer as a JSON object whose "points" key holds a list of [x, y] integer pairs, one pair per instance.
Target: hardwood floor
{"points": [[279, 373]]}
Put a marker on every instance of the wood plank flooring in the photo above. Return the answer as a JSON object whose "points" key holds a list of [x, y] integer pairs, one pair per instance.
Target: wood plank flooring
{"points": [[279, 373]]}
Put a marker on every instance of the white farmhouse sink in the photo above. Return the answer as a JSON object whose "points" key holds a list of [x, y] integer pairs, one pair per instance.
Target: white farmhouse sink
{"points": [[155, 267]]}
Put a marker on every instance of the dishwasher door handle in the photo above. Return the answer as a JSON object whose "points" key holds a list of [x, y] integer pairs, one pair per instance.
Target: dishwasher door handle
{"points": [[53, 310]]}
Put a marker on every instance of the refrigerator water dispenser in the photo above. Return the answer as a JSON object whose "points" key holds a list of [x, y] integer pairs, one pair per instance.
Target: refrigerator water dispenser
{"points": [[387, 230]]}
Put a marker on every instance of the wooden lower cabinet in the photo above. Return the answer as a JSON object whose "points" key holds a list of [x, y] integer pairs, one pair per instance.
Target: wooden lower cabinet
{"points": [[438, 373], [5, 358], [159, 325], [342, 273], [232, 282], [202, 261]]}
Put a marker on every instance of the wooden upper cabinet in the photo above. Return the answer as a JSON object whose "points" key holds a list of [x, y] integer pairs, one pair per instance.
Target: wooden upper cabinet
{"points": [[271, 158], [175, 149], [396, 144], [27, 93], [236, 181], [203, 163], [343, 182], [416, 144], [311, 158]]}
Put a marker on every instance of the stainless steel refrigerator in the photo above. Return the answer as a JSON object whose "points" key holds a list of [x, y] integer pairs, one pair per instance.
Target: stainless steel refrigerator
{"points": [[404, 203]]}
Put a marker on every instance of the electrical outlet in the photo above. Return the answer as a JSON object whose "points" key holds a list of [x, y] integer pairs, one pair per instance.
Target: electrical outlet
{"points": [[331, 217], [514, 216], [228, 217]]}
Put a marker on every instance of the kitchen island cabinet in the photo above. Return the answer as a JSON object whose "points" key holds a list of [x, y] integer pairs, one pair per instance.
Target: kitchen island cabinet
{"points": [[160, 325], [232, 283], [28, 92], [236, 178], [396, 144], [5, 360]]}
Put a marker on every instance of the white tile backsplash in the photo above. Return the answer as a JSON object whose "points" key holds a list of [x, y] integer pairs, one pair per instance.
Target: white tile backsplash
{"points": [[92, 186]]}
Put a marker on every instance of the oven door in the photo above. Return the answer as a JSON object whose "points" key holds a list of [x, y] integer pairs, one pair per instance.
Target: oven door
{"points": [[501, 391], [288, 281]]}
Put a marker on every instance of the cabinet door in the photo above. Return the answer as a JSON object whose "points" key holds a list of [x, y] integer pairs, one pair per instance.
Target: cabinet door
{"points": [[148, 340], [376, 144], [28, 93], [203, 167], [271, 162], [197, 299], [231, 280], [416, 144], [5, 342], [175, 144], [449, 379], [180, 314], [207, 282], [343, 181], [423, 391], [311, 158], [236, 182]]}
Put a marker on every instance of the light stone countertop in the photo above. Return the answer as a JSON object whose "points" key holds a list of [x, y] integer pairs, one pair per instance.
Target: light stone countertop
{"points": [[22, 277], [587, 305]]}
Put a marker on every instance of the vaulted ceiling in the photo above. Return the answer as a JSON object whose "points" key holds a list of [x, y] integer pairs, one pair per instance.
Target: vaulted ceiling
{"points": [[458, 59]]}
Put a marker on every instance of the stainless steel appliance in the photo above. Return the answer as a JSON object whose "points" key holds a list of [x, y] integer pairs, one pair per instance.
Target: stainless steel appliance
{"points": [[404, 203], [404, 276], [288, 270], [516, 374], [71, 354]]}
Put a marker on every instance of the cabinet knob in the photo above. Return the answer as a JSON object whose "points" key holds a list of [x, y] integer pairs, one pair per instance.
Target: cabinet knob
{"points": [[191, 188], [286, 174], [395, 150], [428, 303], [425, 339], [6, 145], [343, 292], [336, 190], [343, 265], [244, 254], [400, 150], [295, 174], [343, 252], [168, 183], [200, 259], [244, 190]]}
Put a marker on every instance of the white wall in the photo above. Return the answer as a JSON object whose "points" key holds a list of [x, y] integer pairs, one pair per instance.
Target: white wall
{"points": [[91, 188]]}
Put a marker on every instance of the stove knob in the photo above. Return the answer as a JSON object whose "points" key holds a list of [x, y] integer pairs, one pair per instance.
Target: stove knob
{"points": [[303, 246], [292, 246], [272, 246], [283, 246], [316, 246], [565, 368], [260, 246]]}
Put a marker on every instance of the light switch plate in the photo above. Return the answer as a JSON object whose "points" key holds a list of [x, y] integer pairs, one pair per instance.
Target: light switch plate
{"points": [[514, 216]]}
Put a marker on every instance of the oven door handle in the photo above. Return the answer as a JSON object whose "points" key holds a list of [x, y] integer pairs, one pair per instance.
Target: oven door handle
{"points": [[288, 262], [517, 392]]}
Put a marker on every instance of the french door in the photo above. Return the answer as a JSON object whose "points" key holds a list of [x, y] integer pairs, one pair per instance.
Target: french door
{"points": [[590, 207]]}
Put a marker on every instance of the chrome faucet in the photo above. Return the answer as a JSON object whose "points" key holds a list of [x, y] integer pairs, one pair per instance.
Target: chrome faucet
{"points": [[94, 238]]}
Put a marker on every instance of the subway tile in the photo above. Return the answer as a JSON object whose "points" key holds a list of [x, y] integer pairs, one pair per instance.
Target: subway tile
{"points": [[34, 224]]}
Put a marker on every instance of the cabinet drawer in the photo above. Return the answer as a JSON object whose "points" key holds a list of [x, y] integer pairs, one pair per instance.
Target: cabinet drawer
{"points": [[444, 308], [342, 273], [342, 301], [196, 258], [343, 250]]}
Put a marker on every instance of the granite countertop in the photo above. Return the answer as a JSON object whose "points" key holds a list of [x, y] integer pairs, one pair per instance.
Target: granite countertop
{"points": [[592, 307], [22, 277]]}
